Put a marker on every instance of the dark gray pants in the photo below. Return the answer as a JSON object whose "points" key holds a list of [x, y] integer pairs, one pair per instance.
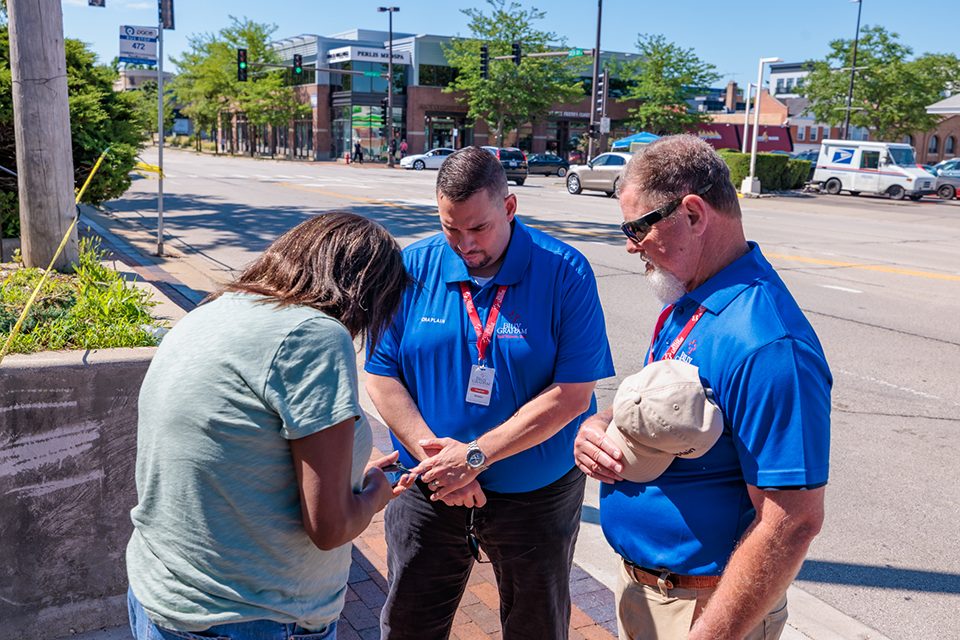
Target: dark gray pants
{"points": [[529, 538]]}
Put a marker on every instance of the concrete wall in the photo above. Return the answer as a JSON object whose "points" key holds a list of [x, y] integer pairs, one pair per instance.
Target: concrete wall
{"points": [[67, 452]]}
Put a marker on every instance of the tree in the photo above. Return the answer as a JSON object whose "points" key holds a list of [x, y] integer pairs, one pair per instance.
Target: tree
{"points": [[148, 105], [269, 101], [513, 95], [99, 118], [662, 79], [890, 94], [206, 82]]}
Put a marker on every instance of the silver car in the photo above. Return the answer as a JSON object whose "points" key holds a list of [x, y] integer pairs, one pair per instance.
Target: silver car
{"points": [[430, 160], [600, 174], [948, 178]]}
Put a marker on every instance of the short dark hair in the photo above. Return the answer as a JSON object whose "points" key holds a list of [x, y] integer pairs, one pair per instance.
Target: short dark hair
{"points": [[675, 166], [343, 264], [469, 170]]}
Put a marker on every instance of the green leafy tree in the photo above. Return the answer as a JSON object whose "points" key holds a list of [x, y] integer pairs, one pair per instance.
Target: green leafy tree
{"points": [[891, 92], [662, 79], [513, 95], [206, 82], [269, 101], [99, 118], [148, 105]]}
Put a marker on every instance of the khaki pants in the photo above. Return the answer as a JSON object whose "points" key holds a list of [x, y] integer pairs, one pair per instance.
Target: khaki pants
{"points": [[643, 613]]}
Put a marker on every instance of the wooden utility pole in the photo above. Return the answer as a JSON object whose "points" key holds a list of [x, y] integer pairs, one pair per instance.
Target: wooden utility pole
{"points": [[41, 120]]}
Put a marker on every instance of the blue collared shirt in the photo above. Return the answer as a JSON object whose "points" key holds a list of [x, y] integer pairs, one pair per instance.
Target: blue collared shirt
{"points": [[550, 330], [761, 357]]}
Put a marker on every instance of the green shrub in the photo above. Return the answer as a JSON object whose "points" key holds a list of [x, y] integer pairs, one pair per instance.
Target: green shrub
{"points": [[94, 308], [9, 215], [771, 169], [738, 163], [799, 172]]}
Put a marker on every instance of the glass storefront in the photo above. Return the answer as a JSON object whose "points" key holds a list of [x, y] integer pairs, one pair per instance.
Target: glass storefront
{"points": [[366, 125], [367, 84], [446, 130]]}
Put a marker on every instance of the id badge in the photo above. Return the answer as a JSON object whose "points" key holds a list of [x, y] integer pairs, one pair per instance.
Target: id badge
{"points": [[480, 385]]}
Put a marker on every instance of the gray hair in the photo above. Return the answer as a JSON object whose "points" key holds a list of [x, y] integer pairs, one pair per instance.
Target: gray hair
{"points": [[469, 170], [675, 166]]}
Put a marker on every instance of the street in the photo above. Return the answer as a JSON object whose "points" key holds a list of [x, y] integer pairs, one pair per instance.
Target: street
{"points": [[879, 280]]}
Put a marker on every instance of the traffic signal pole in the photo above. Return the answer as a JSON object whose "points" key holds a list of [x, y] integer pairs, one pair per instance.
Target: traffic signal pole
{"points": [[160, 133], [593, 91]]}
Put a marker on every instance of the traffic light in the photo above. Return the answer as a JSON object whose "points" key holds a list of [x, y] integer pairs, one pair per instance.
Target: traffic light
{"points": [[599, 106], [484, 62], [517, 55], [242, 65], [297, 66], [384, 104]]}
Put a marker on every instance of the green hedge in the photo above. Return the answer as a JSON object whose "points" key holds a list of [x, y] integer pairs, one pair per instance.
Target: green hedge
{"points": [[776, 171]]}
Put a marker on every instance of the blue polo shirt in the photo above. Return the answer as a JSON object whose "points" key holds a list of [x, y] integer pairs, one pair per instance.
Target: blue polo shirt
{"points": [[761, 357], [550, 330]]}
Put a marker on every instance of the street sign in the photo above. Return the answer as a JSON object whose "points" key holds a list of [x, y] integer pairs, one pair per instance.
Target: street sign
{"points": [[138, 45], [97, 3], [604, 125], [575, 53], [371, 74]]}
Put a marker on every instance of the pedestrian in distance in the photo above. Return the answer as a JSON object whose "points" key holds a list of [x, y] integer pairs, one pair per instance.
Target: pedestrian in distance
{"points": [[358, 153], [392, 148], [252, 449], [713, 509], [403, 149], [484, 378]]}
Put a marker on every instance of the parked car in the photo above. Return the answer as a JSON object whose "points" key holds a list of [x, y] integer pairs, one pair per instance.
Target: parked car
{"points": [[928, 168], [862, 166], [948, 186], [600, 174], [547, 164], [810, 155], [430, 160], [514, 162], [949, 167]]}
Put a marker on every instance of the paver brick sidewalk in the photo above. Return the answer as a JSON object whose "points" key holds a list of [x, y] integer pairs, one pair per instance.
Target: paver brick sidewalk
{"points": [[593, 615]]}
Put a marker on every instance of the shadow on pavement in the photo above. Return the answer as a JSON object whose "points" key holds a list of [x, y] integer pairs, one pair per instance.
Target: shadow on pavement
{"points": [[886, 577]]}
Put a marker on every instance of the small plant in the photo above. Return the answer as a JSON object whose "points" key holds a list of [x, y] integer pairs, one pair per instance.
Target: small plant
{"points": [[94, 308]]}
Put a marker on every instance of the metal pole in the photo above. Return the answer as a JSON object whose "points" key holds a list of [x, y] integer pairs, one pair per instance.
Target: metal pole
{"points": [[746, 119], [390, 94], [756, 121], [853, 71], [160, 128], [596, 73]]}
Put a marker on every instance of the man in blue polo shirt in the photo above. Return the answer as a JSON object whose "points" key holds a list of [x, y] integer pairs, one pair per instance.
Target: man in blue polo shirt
{"points": [[484, 378], [710, 546]]}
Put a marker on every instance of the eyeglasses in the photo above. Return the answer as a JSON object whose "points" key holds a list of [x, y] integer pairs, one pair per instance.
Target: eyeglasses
{"points": [[472, 543], [638, 229]]}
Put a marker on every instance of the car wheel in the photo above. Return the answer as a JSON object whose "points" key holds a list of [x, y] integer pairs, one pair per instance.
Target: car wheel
{"points": [[419, 165], [573, 184], [520, 181], [947, 192], [832, 186], [561, 172], [613, 194], [896, 192]]}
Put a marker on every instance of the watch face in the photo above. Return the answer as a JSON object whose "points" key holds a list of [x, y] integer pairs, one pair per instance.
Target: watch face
{"points": [[475, 458]]}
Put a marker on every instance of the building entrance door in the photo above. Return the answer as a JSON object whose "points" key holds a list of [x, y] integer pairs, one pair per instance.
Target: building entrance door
{"points": [[448, 131]]}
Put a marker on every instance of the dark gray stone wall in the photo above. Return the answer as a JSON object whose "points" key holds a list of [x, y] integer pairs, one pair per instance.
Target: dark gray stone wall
{"points": [[68, 430]]}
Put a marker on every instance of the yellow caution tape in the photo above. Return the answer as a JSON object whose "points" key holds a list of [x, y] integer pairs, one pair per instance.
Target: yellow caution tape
{"points": [[63, 243], [152, 168]]}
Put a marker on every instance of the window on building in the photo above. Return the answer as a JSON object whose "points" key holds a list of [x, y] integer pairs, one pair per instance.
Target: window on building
{"points": [[802, 132], [826, 132], [813, 134], [948, 146], [434, 75], [789, 85], [933, 147], [779, 88]]}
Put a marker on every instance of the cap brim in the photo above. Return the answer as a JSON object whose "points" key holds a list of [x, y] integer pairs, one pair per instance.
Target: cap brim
{"points": [[640, 463]]}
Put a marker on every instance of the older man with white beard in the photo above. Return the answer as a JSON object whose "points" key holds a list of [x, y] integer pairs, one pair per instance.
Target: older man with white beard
{"points": [[710, 546]]}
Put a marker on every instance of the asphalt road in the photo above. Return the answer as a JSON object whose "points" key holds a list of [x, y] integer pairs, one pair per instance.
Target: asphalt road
{"points": [[879, 280]]}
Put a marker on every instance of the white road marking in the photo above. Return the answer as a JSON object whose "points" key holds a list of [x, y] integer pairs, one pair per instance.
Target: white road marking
{"points": [[890, 385], [835, 287]]}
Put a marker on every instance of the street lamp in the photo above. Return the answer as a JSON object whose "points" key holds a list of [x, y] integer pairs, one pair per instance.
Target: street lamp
{"points": [[853, 71], [746, 117], [389, 115], [751, 184]]}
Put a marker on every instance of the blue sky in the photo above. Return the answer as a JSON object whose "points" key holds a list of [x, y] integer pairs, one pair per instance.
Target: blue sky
{"points": [[731, 35]]}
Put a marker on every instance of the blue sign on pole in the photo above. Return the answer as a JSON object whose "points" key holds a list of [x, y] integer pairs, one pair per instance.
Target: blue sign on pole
{"points": [[138, 45]]}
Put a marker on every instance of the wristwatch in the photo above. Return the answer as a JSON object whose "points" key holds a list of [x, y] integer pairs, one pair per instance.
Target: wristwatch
{"points": [[476, 459]]}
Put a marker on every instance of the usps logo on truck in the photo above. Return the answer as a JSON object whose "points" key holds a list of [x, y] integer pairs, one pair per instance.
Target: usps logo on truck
{"points": [[842, 156]]}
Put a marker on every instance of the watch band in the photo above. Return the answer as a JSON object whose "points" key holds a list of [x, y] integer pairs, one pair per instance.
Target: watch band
{"points": [[474, 446]]}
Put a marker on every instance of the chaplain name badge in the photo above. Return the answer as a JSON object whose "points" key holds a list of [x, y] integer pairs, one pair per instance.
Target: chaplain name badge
{"points": [[480, 385]]}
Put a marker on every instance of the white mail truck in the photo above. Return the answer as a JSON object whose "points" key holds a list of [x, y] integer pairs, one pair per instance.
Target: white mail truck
{"points": [[859, 166]]}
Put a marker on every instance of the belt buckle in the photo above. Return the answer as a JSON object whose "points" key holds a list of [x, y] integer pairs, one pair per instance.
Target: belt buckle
{"points": [[664, 583]]}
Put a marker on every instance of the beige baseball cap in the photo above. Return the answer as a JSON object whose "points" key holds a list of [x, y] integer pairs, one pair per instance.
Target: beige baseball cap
{"points": [[661, 413]]}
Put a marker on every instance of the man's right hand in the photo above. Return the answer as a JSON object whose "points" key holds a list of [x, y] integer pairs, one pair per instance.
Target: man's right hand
{"points": [[469, 496], [594, 453]]}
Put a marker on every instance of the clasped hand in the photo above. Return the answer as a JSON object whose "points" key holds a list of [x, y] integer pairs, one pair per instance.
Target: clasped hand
{"points": [[447, 474]]}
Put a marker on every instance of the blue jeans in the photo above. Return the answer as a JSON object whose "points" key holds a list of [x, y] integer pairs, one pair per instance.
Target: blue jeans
{"points": [[144, 629]]}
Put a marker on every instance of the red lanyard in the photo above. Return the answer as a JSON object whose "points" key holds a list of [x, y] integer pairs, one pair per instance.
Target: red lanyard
{"points": [[484, 334], [681, 337]]}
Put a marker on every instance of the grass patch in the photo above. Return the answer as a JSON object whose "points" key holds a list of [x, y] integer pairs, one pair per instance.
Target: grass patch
{"points": [[93, 308]]}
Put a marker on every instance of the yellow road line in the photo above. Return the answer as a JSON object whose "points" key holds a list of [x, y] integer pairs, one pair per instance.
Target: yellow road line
{"points": [[915, 273], [867, 267]]}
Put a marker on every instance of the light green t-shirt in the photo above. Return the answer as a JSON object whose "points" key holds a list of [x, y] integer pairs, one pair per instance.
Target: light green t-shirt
{"points": [[218, 535]]}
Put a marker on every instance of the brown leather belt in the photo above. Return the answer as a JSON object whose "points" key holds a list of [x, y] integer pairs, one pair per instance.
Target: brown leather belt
{"points": [[652, 577]]}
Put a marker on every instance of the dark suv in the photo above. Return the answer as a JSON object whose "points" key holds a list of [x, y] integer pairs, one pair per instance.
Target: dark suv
{"points": [[514, 162]]}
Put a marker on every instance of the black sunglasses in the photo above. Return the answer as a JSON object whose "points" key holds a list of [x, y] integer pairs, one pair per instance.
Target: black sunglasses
{"points": [[638, 229], [472, 543]]}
